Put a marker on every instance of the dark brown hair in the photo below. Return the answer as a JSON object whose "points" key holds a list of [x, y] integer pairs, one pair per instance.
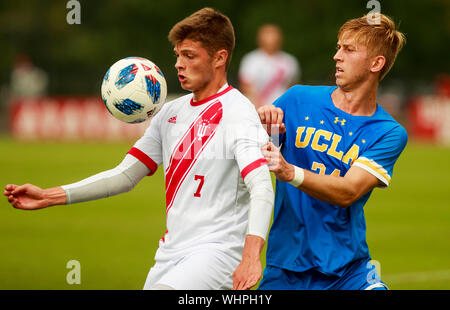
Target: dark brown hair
{"points": [[209, 27]]}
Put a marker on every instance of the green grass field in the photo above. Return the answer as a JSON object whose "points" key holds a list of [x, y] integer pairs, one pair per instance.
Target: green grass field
{"points": [[115, 239]]}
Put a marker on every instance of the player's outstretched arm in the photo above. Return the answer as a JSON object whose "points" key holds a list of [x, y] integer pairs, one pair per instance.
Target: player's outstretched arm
{"points": [[336, 190], [31, 197], [108, 183], [121, 179]]}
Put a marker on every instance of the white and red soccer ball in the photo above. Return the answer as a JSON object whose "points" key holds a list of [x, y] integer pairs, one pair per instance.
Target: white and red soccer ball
{"points": [[134, 89]]}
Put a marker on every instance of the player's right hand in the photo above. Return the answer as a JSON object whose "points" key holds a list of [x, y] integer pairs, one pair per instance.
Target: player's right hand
{"points": [[25, 197], [272, 119]]}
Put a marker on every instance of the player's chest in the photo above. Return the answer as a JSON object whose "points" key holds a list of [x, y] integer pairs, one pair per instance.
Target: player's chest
{"points": [[190, 130], [319, 138]]}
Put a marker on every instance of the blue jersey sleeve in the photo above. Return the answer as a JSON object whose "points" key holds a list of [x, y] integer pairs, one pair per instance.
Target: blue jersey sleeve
{"points": [[380, 158]]}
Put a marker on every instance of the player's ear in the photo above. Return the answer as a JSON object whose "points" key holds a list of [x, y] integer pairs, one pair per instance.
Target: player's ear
{"points": [[221, 57], [378, 63]]}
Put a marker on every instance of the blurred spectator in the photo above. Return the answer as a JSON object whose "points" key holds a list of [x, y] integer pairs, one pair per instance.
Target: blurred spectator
{"points": [[267, 72], [26, 79]]}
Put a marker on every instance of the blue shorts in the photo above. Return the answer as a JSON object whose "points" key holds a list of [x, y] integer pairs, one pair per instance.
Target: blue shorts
{"points": [[358, 275]]}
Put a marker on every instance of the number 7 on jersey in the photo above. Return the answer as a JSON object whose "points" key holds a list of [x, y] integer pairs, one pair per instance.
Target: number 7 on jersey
{"points": [[200, 185]]}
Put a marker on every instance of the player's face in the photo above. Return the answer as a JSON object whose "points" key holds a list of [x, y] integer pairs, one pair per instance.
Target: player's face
{"points": [[352, 63], [194, 65]]}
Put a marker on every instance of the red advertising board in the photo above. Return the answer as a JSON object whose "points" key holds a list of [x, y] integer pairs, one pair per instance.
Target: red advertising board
{"points": [[68, 118], [86, 118], [429, 118]]}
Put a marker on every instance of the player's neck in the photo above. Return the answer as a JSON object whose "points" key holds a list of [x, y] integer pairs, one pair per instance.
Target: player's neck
{"points": [[210, 89], [360, 101]]}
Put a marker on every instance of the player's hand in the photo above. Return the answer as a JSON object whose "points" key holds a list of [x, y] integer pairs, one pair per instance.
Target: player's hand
{"points": [[277, 164], [247, 274], [272, 119], [25, 197], [249, 271]]}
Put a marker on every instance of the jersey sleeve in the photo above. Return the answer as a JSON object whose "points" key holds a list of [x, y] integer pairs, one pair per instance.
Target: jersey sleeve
{"points": [[148, 149], [249, 136], [380, 158]]}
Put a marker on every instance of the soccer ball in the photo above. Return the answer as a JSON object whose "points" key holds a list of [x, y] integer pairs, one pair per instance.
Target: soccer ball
{"points": [[134, 89]]}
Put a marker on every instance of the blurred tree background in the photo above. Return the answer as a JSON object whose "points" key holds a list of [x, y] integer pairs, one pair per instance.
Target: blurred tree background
{"points": [[77, 56]]}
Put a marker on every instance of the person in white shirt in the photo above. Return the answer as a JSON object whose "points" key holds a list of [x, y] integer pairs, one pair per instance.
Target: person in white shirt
{"points": [[219, 195], [267, 72]]}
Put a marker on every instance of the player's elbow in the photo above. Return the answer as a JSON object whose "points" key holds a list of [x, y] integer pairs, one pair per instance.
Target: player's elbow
{"points": [[344, 204], [347, 198]]}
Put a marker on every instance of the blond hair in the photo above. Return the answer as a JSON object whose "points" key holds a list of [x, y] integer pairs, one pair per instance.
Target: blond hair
{"points": [[379, 34], [211, 28]]}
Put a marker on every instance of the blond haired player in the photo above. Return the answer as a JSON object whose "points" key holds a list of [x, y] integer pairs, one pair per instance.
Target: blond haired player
{"points": [[338, 145], [219, 195]]}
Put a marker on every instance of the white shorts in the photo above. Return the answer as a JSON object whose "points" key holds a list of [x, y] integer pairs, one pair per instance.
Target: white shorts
{"points": [[204, 269]]}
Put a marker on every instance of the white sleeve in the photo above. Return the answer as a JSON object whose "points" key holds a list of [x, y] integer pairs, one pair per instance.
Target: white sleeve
{"points": [[148, 149], [249, 136], [260, 187], [119, 180]]}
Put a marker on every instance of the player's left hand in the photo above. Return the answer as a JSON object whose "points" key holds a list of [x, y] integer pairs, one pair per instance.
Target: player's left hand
{"points": [[277, 164], [247, 274], [249, 271]]}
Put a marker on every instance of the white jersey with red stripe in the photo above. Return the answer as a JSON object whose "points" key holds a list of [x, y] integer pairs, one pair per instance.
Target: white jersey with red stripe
{"points": [[206, 148]]}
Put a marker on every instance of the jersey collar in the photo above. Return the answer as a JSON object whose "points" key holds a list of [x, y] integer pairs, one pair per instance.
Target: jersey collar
{"points": [[226, 88]]}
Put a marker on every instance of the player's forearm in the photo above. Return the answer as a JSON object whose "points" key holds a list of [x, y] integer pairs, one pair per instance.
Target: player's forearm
{"points": [[252, 248], [341, 191], [331, 189], [108, 183], [54, 196], [259, 185]]}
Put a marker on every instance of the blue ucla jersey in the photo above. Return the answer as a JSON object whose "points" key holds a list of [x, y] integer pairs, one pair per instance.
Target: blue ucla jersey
{"points": [[308, 233]]}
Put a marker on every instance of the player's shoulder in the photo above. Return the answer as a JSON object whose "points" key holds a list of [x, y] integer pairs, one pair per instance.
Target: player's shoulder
{"points": [[240, 115], [180, 100], [237, 99], [382, 114], [390, 124], [308, 93], [175, 103], [312, 89], [238, 105]]}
